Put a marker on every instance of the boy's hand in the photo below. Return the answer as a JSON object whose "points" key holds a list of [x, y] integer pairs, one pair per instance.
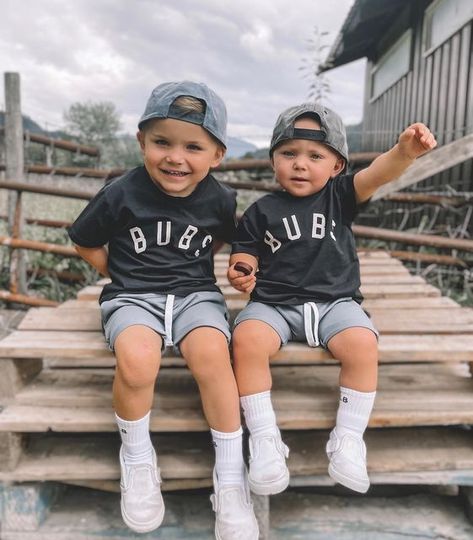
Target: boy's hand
{"points": [[240, 281], [416, 140]]}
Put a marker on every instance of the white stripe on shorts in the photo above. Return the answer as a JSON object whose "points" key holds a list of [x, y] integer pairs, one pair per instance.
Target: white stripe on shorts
{"points": [[168, 342], [311, 331]]}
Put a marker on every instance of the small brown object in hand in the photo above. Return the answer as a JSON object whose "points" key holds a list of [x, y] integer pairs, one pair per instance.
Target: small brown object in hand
{"points": [[243, 267]]}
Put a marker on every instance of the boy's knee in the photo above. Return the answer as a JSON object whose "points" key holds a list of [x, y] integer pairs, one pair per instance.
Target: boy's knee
{"points": [[139, 367], [248, 335], [355, 344]]}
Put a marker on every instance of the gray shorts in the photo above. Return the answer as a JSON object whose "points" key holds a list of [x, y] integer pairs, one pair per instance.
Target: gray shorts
{"points": [[313, 322], [172, 317]]}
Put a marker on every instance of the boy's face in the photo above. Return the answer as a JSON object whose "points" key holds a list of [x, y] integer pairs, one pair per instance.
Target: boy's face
{"points": [[178, 154], [303, 167]]}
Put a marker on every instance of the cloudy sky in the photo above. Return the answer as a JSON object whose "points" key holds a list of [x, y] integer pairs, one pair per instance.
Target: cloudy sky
{"points": [[249, 51]]}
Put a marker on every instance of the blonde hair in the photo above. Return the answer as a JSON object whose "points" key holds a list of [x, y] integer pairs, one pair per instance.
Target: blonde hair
{"points": [[189, 104]]}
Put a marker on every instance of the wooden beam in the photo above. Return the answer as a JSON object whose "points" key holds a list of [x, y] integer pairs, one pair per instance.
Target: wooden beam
{"points": [[429, 198], [413, 239], [434, 162], [14, 166], [66, 251]]}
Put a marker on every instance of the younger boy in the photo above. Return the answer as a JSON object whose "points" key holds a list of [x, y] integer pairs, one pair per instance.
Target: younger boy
{"points": [[307, 285], [161, 222]]}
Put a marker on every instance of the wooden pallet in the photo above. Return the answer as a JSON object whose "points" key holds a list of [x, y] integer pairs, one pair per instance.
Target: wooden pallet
{"points": [[57, 423]]}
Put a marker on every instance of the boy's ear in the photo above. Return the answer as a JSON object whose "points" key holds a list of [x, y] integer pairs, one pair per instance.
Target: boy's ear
{"points": [[141, 139], [219, 155], [338, 168]]}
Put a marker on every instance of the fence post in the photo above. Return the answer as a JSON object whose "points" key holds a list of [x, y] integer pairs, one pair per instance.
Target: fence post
{"points": [[14, 170]]}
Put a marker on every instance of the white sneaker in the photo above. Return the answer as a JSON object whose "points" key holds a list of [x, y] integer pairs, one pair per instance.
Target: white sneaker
{"points": [[234, 515], [141, 504], [347, 455], [268, 472]]}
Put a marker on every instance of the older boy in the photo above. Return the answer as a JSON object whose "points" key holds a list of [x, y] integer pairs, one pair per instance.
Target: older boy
{"points": [[161, 223], [307, 285]]}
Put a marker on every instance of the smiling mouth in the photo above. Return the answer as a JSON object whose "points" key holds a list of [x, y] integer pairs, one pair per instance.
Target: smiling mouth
{"points": [[175, 174], [297, 179]]}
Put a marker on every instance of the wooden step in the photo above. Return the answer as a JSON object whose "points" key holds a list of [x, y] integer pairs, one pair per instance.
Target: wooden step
{"points": [[407, 456], [392, 348], [429, 302], [304, 398], [415, 321]]}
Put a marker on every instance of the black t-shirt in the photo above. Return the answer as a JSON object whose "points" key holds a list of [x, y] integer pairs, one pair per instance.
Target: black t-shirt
{"points": [[157, 243], [304, 245]]}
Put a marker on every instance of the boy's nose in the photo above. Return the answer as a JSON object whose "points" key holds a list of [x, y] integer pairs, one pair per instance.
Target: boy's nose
{"points": [[299, 163], [174, 156]]}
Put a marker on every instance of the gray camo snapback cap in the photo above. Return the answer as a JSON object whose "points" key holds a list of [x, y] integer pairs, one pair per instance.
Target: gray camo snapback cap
{"points": [[332, 133], [214, 120]]}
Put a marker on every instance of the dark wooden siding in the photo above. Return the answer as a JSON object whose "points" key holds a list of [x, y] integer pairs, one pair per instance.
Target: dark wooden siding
{"points": [[438, 90]]}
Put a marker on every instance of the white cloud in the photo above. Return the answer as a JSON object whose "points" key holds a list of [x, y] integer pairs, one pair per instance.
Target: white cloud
{"points": [[115, 50], [258, 41]]}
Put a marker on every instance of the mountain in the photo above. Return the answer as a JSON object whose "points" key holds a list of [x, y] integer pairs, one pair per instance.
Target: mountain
{"points": [[236, 148], [28, 124]]}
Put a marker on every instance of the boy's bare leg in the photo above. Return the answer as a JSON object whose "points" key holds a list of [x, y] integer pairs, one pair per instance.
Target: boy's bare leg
{"points": [[205, 350], [357, 350], [254, 342], [138, 353]]}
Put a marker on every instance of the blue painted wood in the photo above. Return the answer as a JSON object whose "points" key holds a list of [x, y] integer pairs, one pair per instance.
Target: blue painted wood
{"points": [[26, 506]]}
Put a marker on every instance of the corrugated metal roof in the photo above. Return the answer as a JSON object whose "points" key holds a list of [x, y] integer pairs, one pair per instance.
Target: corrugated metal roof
{"points": [[365, 24]]}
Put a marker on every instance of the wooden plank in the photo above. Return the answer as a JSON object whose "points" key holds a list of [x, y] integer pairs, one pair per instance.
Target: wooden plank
{"points": [[391, 303], [440, 159], [392, 348], [304, 398], [392, 453], [14, 374], [414, 321], [429, 302], [84, 320]]}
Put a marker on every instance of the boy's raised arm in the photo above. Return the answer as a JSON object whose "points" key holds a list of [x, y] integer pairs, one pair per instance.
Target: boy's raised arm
{"points": [[96, 257], [413, 142]]}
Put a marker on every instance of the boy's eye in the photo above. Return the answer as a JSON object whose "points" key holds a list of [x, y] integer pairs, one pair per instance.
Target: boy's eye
{"points": [[194, 147], [316, 156], [287, 153], [161, 142]]}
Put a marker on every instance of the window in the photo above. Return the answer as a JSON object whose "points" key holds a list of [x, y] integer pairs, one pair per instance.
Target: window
{"points": [[442, 19], [392, 65]]}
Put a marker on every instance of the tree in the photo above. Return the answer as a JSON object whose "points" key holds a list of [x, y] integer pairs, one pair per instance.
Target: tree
{"points": [[93, 123], [319, 85]]}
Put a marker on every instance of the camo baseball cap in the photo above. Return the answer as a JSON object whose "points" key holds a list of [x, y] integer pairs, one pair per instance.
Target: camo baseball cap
{"points": [[160, 105], [332, 132]]}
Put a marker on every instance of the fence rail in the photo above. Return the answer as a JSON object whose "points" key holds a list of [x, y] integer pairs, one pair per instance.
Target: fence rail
{"points": [[62, 144]]}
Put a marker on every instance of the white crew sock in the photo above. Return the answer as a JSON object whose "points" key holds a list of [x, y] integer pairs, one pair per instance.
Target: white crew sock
{"points": [[259, 413], [136, 440], [354, 411], [229, 463]]}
